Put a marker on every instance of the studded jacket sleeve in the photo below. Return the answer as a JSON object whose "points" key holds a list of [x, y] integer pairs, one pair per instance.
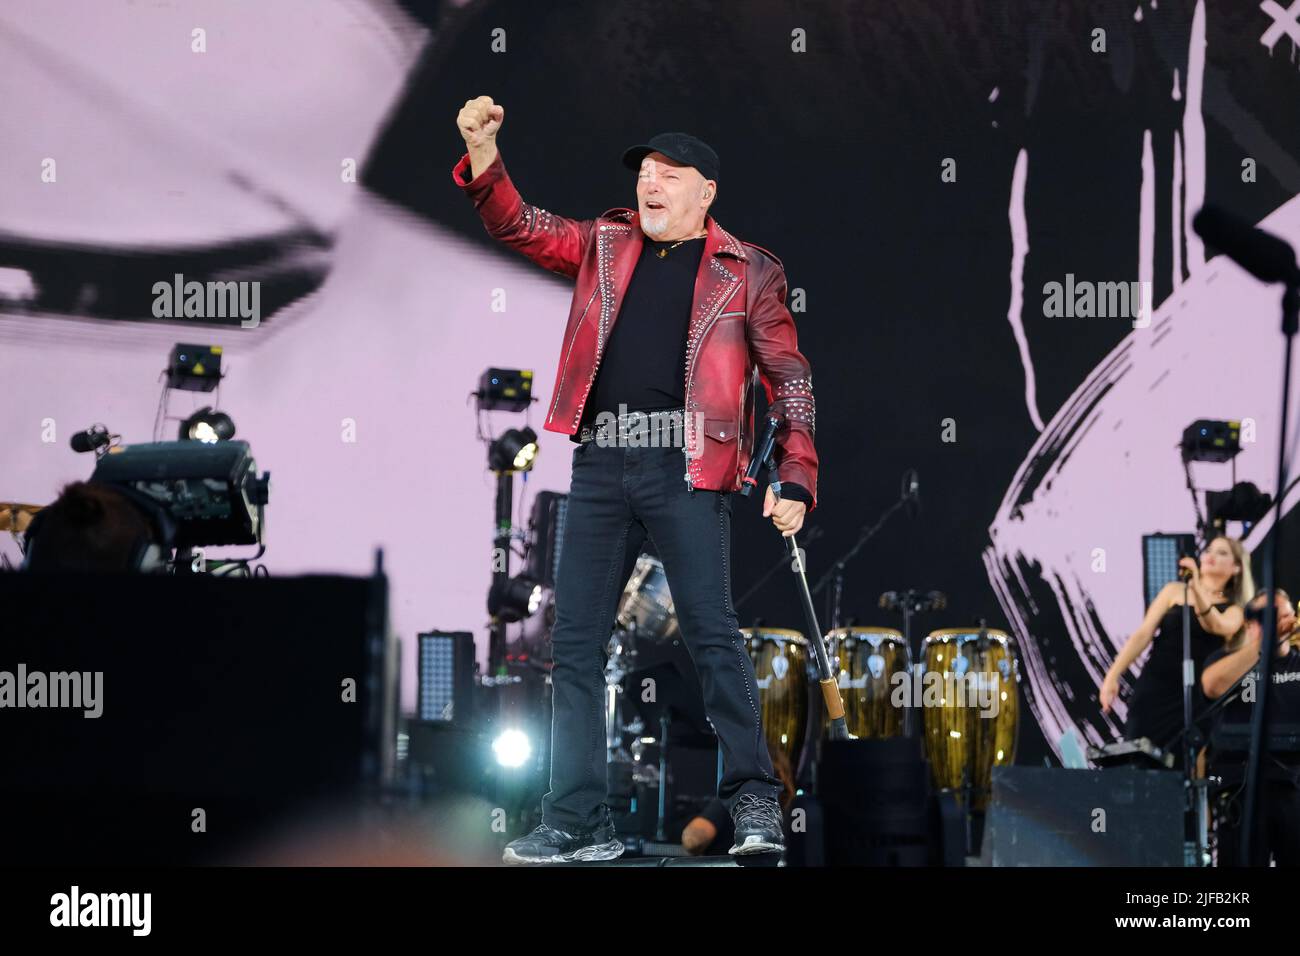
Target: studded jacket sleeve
{"points": [[786, 377], [552, 241]]}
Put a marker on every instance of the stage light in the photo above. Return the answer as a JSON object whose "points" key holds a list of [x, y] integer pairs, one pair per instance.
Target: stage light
{"points": [[445, 669], [509, 599], [1208, 440], [1160, 554], [194, 368], [207, 425], [515, 450], [512, 748], [1242, 502], [505, 389], [514, 599]]}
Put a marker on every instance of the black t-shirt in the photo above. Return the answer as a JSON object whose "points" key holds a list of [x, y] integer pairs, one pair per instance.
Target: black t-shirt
{"points": [[644, 365], [1284, 705], [1283, 708]]}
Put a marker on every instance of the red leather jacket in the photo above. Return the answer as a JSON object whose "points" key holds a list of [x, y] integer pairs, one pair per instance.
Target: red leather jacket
{"points": [[741, 332]]}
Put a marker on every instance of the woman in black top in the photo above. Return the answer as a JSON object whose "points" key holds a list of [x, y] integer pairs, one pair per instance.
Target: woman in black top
{"points": [[1219, 588]]}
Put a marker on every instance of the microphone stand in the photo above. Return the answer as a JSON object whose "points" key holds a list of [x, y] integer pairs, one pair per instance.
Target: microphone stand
{"points": [[1193, 788], [1259, 716], [826, 679], [835, 573]]}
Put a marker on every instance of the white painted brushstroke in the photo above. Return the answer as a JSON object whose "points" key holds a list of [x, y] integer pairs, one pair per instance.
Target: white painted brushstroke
{"points": [[1194, 139], [1019, 250]]}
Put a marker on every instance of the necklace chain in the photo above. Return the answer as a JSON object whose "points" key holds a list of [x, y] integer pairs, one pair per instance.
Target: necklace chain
{"points": [[663, 253]]}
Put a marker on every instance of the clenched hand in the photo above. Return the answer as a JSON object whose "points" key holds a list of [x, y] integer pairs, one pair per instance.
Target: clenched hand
{"points": [[786, 514], [479, 121]]}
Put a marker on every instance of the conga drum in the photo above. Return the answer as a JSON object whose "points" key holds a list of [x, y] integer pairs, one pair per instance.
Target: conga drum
{"points": [[969, 697], [867, 660], [782, 663]]}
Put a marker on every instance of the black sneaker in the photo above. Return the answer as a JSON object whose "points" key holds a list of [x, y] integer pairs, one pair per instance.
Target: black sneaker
{"points": [[758, 825], [546, 844]]}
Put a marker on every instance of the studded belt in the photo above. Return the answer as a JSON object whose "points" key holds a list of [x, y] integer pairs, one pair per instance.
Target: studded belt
{"points": [[631, 424]]}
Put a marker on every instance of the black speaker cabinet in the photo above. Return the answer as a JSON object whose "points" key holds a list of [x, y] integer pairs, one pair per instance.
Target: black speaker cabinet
{"points": [[1044, 816], [264, 703]]}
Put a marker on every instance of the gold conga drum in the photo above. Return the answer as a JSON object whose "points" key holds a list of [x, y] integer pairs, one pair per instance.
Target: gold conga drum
{"points": [[782, 659], [969, 696], [867, 660]]}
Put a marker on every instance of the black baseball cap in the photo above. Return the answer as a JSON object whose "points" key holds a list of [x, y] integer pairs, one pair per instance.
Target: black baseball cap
{"points": [[683, 147]]}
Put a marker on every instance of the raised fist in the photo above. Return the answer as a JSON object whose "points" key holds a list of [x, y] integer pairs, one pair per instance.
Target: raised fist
{"points": [[479, 120]]}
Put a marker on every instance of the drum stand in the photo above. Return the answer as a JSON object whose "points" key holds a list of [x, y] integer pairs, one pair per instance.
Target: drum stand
{"points": [[622, 654], [661, 809], [622, 660], [968, 805], [911, 603]]}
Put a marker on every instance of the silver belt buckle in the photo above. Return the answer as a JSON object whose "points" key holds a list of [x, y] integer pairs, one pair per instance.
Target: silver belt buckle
{"points": [[624, 423]]}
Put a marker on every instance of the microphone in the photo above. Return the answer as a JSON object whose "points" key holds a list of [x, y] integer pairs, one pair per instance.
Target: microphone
{"points": [[1262, 254], [912, 492], [94, 437], [761, 451]]}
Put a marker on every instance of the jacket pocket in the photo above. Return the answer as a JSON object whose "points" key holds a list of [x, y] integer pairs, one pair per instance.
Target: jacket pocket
{"points": [[720, 429]]}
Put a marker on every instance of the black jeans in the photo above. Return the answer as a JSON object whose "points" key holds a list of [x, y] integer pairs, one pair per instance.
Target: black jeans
{"points": [[619, 495]]}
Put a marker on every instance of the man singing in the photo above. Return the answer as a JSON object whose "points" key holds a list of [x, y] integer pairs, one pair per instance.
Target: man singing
{"points": [[673, 320]]}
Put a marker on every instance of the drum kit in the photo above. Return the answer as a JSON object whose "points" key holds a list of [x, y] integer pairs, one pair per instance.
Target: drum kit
{"points": [[959, 693]]}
